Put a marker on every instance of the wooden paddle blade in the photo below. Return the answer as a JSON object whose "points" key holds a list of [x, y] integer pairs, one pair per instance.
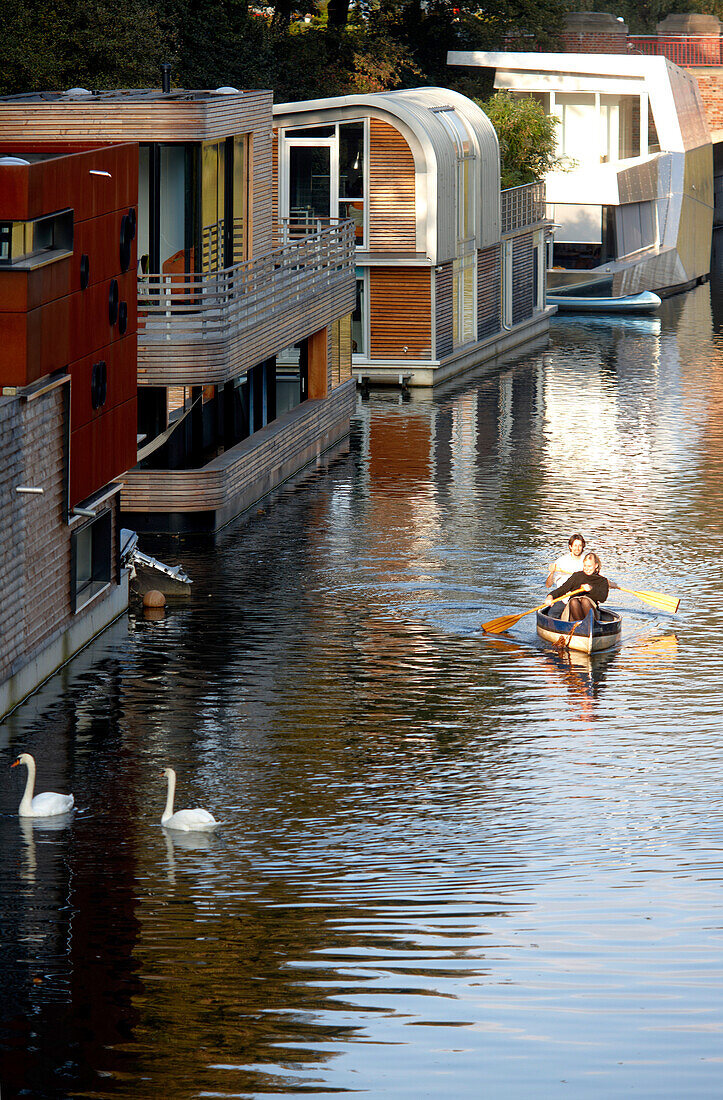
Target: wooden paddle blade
{"points": [[498, 626], [656, 599]]}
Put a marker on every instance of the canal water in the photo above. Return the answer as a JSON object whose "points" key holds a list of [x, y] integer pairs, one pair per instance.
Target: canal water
{"points": [[449, 864]]}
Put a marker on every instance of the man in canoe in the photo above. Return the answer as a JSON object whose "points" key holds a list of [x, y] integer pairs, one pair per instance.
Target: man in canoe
{"points": [[570, 562], [596, 589]]}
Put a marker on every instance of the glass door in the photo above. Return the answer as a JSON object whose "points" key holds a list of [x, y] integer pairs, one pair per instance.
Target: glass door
{"points": [[310, 180]]}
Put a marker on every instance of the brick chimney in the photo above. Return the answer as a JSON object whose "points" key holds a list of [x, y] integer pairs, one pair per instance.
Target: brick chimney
{"points": [[594, 32], [703, 34]]}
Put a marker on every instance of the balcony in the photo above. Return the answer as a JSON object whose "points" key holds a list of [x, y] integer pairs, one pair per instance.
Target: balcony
{"points": [[197, 329], [681, 49], [522, 206]]}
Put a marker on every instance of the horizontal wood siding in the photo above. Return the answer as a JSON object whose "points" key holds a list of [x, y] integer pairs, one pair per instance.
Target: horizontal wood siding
{"points": [[522, 275], [275, 176], [443, 310], [261, 187], [400, 305], [488, 292], [392, 213], [104, 118], [248, 471]]}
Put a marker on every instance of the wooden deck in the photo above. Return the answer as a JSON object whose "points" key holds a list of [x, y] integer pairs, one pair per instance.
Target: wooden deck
{"points": [[244, 474]]}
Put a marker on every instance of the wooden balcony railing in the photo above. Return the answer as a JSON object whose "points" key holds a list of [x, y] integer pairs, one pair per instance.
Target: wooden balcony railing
{"points": [[521, 206], [197, 328]]}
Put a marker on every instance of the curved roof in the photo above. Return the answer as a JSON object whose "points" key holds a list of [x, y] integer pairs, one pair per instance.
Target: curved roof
{"points": [[416, 114]]}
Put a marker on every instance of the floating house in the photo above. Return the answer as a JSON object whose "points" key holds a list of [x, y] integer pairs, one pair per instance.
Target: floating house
{"points": [[635, 208], [67, 398], [449, 272], [224, 296]]}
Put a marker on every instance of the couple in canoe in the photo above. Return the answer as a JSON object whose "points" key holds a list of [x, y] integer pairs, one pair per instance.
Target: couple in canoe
{"points": [[583, 572]]}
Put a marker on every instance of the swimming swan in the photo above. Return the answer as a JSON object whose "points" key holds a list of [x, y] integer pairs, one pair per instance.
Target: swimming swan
{"points": [[187, 821], [47, 804]]}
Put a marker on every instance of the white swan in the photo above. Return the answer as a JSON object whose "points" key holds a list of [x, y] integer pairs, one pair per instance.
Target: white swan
{"points": [[47, 804], [186, 821]]}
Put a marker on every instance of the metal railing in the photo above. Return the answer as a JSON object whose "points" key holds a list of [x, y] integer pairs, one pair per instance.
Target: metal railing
{"points": [[195, 305], [523, 205], [684, 49]]}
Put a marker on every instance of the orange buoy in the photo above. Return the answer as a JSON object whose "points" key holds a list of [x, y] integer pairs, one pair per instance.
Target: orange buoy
{"points": [[154, 598]]}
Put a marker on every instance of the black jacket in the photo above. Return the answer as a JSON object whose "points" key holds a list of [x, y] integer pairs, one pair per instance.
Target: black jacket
{"points": [[599, 587]]}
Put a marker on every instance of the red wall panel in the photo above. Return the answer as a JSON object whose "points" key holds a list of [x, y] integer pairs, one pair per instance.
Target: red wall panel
{"points": [[48, 323], [102, 450], [120, 361]]}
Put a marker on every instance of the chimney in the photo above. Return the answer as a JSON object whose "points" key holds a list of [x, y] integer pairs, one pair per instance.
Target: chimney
{"points": [[165, 77]]}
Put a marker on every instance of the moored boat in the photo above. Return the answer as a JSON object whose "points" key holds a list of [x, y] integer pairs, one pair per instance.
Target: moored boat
{"points": [[588, 635], [644, 302]]}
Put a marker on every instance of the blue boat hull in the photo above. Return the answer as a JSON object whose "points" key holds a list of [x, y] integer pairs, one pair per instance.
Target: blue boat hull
{"points": [[645, 302], [589, 635]]}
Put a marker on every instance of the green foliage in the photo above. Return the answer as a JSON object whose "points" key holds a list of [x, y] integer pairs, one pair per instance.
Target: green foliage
{"points": [[367, 46], [526, 136], [88, 43]]}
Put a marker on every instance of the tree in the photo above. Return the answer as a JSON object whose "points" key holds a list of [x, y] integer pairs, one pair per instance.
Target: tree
{"points": [[528, 147], [429, 29], [88, 43]]}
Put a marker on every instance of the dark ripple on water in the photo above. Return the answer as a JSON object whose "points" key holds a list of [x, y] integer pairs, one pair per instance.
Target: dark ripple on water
{"points": [[449, 864]]}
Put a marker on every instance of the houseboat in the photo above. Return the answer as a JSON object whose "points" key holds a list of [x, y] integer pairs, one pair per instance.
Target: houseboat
{"points": [[449, 272], [633, 203], [222, 294]]}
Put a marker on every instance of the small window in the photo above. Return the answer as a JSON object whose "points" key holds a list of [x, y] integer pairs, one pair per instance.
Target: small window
{"points": [[92, 560], [311, 132], [24, 241]]}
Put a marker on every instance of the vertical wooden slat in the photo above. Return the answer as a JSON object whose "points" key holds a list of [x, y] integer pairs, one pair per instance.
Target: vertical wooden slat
{"points": [[522, 275], [488, 292], [443, 308]]}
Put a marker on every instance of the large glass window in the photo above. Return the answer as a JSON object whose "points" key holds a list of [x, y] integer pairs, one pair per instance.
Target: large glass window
{"points": [[463, 300], [192, 206], [172, 209], [213, 203], [325, 169], [351, 177], [92, 560]]}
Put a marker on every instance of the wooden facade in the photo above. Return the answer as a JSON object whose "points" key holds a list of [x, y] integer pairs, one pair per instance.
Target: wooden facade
{"points": [[429, 254], [400, 323], [392, 194]]}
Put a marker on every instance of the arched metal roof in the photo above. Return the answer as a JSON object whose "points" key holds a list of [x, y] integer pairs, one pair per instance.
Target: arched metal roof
{"points": [[416, 114]]}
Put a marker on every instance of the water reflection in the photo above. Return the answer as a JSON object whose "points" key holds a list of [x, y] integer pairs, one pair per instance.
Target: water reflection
{"points": [[433, 843]]}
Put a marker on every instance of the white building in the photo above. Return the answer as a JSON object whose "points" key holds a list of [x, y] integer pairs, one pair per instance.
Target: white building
{"points": [[637, 200]]}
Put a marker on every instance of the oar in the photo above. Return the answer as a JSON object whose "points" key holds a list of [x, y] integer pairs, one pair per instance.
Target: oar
{"points": [[656, 599], [498, 626]]}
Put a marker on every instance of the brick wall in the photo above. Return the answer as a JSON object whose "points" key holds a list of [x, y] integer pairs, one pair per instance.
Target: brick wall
{"points": [[35, 540], [589, 42], [711, 91]]}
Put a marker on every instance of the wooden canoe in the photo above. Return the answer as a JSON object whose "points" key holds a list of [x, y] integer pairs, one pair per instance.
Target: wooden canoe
{"points": [[588, 635]]}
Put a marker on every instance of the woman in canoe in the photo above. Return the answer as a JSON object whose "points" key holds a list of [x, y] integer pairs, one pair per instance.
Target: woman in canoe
{"points": [[596, 589], [570, 562]]}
